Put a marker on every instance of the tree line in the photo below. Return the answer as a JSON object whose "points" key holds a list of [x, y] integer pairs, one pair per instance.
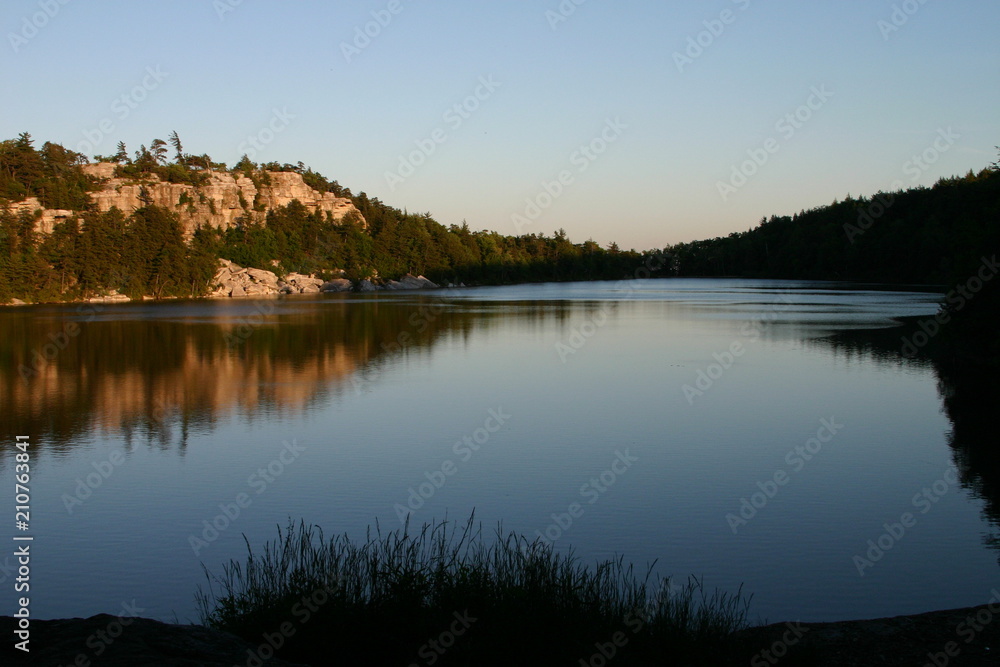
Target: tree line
{"points": [[946, 236], [146, 251], [917, 236]]}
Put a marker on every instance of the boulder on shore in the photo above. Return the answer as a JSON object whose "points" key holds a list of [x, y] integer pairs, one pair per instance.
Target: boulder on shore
{"points": [[302, 284], [410, 282], [232, 280], [111, 297], [337, 285]]}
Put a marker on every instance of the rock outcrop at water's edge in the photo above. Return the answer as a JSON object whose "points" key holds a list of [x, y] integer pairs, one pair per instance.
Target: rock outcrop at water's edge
{"points": [[410, 282], [232, 280]]}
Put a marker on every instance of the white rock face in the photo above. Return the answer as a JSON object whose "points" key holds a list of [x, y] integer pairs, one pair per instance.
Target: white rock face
{"points": [[218, 203], [50, 216]]}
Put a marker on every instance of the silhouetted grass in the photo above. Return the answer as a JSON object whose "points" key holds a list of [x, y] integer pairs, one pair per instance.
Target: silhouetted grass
{"points": [[446, 596]]}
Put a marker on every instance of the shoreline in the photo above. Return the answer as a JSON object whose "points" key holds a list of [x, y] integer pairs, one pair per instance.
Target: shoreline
{"points": [[962, 636], [402, 285]]}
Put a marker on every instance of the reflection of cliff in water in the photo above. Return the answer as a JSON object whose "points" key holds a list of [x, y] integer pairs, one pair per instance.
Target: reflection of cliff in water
{"points": [[157, 369], [970, 395]]}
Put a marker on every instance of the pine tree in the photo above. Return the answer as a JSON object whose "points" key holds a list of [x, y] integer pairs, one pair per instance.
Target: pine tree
{"points": [[121, 156], [158, 149], [175, 141]]}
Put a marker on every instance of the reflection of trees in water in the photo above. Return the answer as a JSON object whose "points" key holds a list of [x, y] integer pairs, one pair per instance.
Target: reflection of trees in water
{"points": [[970, 395], [162, 372]]}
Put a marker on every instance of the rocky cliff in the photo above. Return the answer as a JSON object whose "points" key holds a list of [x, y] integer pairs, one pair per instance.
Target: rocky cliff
{"points": [[218, 203]]}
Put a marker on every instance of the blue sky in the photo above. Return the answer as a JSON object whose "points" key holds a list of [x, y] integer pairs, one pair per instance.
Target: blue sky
{"points": [[924, 81]]}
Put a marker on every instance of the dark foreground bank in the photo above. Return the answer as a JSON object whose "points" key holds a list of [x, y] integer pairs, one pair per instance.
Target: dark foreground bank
{"points": [[958, 637]]}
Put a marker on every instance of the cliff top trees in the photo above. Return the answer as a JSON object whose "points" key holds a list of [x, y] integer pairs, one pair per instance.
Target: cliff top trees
{"points": [[158, 151], [53, 174], [144, 252], [153, 160]]}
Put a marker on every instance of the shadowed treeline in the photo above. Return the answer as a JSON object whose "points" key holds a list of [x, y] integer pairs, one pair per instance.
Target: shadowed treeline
{"points": [[148, 252], [923, 235]]}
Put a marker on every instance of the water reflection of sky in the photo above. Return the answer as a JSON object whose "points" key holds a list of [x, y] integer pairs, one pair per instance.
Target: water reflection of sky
{"points": [[374, 421]]}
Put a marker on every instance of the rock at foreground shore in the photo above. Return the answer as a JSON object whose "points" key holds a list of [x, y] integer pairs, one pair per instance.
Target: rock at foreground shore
{"points": [[103, 641], [968, 637]]}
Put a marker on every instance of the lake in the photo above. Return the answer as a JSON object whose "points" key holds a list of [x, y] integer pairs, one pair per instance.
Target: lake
{"points": [[758, 433]]}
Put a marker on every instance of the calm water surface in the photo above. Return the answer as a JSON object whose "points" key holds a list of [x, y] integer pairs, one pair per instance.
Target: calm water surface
{"points": [[651, 408]]}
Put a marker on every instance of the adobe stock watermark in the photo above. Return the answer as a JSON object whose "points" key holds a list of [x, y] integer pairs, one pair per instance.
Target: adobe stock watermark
{"points": [[604, 652], [786, 127], [901, 15], [700, 42], [57, 342], [86, 485], [796, 460], [364, 34], [453, 117], [247, 326], [967, 630], [582, 158], [255, 143], [592, 491], [31, 25], [923, 501], [420, 320], [779, 649], [753, 330], [432, 651], [958, 298], [223, 7], [302, 611], [915, 167], [464, 449], [258, 481], [101, 640], [121, 108], [580, 335], [561, 14], [918, 165]]}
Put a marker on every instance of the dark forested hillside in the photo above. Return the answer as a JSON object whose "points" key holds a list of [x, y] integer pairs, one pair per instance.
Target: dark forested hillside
{"points": [[146, 252], [936, 235], [947, 236], [923, 235]]}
